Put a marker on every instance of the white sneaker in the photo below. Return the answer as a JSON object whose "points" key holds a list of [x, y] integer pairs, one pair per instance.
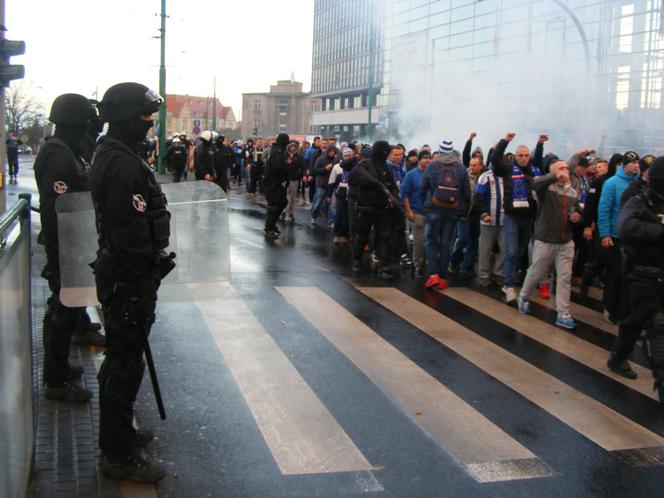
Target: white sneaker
{"points": [[510, 294], [608, 318]]}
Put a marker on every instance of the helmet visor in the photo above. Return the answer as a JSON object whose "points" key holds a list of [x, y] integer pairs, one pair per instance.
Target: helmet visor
{"points": [[152, 100]]}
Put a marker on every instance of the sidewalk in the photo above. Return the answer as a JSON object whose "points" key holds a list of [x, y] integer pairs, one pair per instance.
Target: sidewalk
{"points": [[67, 458]]}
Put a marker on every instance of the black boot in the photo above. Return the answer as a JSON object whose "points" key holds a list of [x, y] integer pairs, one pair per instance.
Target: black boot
{"points": [[621, 367], [134, 467]]}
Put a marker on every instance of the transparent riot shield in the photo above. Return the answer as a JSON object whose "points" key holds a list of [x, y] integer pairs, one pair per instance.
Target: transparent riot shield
{"points": [[77, 241], [199, 238]]}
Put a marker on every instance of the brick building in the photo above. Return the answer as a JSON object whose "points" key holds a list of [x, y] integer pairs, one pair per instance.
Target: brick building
{"points": [[190, 114]]}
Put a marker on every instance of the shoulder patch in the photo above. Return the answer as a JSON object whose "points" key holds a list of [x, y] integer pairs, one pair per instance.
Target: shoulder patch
{"points": [[139, 203], [60, 187]]}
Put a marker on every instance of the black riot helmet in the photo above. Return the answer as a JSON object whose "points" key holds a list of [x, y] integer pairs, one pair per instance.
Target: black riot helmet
{"points": [[380, 150], [283, 139], [71, 109], [125, 101], [656, 176]]}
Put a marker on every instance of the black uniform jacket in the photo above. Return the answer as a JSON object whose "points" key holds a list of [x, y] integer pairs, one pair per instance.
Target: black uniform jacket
{"points": [[120, 190], [368, 193], [276, 170], [57, 171], [640, 228]]}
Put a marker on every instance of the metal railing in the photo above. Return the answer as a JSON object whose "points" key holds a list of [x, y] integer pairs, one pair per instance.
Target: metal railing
{"points": [[17, 422]]}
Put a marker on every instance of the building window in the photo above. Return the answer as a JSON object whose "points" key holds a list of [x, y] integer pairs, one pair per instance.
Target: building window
{"points": [[651, 86], [622, 88], [357, 101], [257, 105], [626, 28], [257, 125]]}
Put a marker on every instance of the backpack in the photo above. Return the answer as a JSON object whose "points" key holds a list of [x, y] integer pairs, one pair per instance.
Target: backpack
{"points": [[447, 192]]}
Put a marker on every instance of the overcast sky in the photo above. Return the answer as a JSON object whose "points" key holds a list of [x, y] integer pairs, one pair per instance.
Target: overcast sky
{"points": [[79, 46]]}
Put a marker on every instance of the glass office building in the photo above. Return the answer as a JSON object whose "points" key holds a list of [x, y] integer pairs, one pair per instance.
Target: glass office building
{"points": [[346, 67], [587, 72]]}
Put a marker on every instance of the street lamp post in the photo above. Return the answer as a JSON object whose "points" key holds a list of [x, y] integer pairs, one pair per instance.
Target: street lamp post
{"points": [[162, 91], [214, 106], [370, 90]]}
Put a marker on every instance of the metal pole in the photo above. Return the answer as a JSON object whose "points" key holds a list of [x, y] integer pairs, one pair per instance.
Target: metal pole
{"points": [[370, 90], [162, 92], [3, 138], [214, 106]]}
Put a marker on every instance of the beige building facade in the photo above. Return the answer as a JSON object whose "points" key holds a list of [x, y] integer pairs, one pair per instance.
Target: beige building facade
{"points": [[285, 108]]}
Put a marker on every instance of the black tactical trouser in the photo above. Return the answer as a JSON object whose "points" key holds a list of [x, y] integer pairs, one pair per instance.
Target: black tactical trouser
{"points": [[380, 220], [178, 171], [60, 322], [277, 200], [222, 177], [646, 312], [399, 243], [120, 375], [614, 279], [255, 178], [12, 162]]}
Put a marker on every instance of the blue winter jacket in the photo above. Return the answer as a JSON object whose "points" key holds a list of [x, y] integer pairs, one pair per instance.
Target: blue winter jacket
{"points": [[430, 183], [609, 202]]}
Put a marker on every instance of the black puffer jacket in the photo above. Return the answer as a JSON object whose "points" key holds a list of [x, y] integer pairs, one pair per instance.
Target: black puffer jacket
{"points": [[276, 170], [369, 194]]}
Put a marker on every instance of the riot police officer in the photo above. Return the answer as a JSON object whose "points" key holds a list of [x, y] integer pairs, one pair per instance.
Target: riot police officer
{"points": [[204, 154], [370, 178], [133, 227], [641, 230], [274, 184], [59, 168], [223, 161], [176, 159]]}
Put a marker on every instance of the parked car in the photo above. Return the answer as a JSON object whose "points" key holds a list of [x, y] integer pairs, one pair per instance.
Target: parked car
{"points": [[25, 149]]}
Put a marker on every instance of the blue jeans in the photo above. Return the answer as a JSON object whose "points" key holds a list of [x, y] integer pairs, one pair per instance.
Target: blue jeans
{"points": [[439, 231], [468, 239], [320, 205], [319, 202], [517, 231]]}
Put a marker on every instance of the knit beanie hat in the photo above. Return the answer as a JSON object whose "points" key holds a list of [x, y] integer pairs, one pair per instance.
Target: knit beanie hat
{"points": [[445, 146]]}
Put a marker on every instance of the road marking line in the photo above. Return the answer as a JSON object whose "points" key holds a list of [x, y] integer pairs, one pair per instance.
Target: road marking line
{"points": [[486, 451], [566, 343], [302, 435], [605, 427], [586, 315]]}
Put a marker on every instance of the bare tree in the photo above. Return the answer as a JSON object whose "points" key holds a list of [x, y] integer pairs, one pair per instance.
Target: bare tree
{"points": [[23, 108]]}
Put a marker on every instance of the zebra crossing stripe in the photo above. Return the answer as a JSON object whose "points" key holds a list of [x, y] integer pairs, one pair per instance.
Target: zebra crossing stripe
{"points": [[565, 343], [605, 427], [482, 448], [586, 315], [301, 433]]}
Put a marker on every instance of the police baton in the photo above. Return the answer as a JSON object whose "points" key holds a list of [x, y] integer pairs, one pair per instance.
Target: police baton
{"points": [[153, 375], [144, 328]]}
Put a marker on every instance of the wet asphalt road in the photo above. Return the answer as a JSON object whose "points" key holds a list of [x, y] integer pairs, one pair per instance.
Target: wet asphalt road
{"points": [[213, 445]]}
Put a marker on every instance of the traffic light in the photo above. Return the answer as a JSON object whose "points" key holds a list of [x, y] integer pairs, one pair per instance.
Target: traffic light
{"points": [[255, 130], [9, 72]]}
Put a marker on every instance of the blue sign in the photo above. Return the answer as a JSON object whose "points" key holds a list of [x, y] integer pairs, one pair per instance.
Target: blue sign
{"points": [[197, 123], [197, 129]]}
